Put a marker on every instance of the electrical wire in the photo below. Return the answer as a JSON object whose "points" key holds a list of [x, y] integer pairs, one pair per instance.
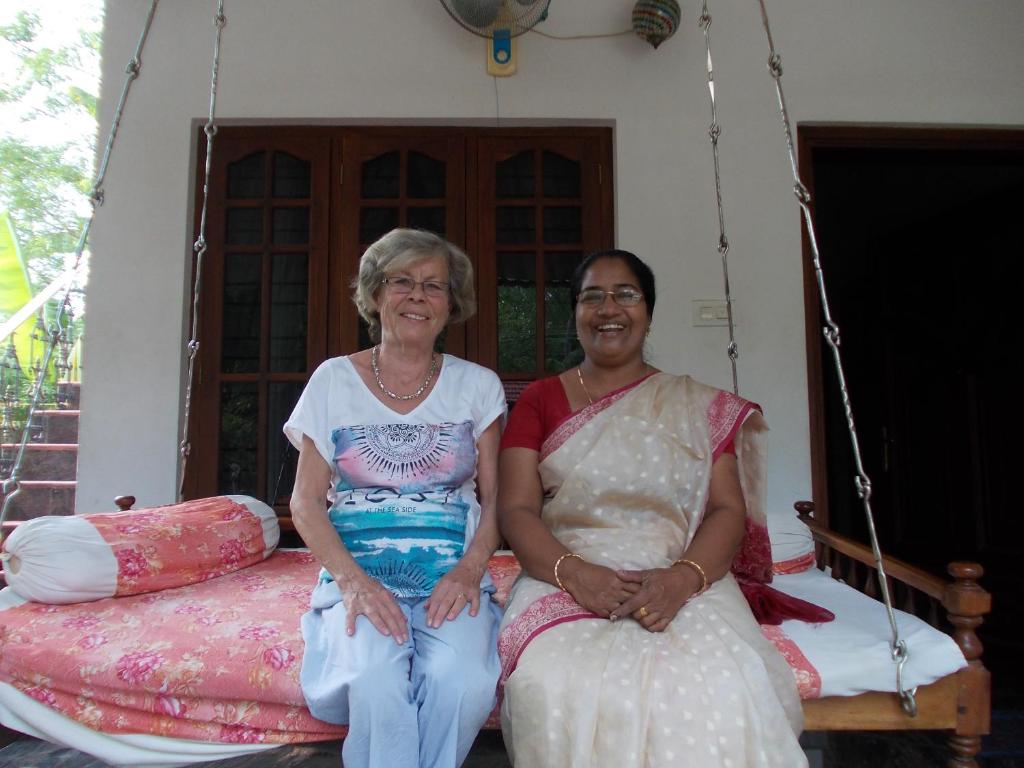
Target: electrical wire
{"points": [[580, 37]]}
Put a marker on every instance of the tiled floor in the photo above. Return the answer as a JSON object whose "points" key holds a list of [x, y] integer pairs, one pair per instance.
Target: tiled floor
{"points": [[1004, 749]]}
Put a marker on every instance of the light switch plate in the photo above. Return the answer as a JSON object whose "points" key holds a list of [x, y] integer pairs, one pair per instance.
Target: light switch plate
{"points": [[712, 312]]}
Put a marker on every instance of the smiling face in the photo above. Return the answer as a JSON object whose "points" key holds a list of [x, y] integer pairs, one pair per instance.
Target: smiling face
{"points": [[610, 333], [415, 317]]}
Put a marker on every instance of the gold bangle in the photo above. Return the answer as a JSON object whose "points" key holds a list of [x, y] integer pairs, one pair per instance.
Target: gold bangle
{"points": [[700, 572], [558, 562]]}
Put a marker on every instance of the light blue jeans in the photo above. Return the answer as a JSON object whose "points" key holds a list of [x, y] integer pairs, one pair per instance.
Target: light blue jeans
{"points": [[419, 704]]}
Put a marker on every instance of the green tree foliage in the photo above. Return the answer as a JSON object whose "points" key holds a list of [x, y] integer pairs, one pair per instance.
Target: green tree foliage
{"points": [[45, 175]]}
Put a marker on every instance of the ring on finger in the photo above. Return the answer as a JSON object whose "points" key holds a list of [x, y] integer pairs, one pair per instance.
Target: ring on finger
{"points": [[643, 612]]}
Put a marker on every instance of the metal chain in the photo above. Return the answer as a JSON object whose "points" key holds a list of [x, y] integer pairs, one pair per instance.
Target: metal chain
{"points": [[898, 646], [714, 131], [200, 246], [57, 330]]}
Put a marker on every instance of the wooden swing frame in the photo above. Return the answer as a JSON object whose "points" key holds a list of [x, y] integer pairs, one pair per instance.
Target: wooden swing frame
{"points": [[960, 703]]}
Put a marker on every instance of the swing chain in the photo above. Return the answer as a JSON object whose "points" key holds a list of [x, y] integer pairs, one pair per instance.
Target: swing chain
{"points": [[831, 331], [56, 332], [714, 132], [199, 247], [862, 482], [908, 700]]}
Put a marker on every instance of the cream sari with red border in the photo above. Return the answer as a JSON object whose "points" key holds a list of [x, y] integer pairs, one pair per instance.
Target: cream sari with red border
{"points": [[625, 485]]}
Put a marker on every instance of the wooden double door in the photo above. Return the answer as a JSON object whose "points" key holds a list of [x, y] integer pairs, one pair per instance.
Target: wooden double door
{"points": [[291, 210]]}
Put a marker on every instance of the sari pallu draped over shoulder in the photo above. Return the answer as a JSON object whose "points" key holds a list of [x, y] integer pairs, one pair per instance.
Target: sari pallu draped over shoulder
{"points": [[626, 484]]}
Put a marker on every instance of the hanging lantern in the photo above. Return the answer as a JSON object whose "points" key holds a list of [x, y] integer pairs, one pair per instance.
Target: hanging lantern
{"points": [[656, 20]]}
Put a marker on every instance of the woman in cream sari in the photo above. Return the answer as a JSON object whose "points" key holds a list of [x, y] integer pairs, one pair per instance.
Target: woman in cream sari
{"points": [[632, 497]]}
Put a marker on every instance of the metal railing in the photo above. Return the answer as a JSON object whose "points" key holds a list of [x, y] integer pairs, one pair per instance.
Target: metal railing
{"points": [[21, 374]]}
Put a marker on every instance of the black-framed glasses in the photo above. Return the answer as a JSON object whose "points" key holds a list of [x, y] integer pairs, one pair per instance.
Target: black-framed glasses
{"points": [[401, 284], [624, 297]]}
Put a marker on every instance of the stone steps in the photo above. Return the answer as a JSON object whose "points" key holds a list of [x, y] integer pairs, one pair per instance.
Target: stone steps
{"points": [[59, 426], [46, 461], [37, 498], [48, 471]]}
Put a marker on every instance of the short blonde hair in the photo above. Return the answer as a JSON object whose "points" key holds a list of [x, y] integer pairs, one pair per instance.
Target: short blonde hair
{"points": [[400, 248]]}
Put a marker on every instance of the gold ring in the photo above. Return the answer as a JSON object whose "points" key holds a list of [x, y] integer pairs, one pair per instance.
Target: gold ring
{"points": [[643, 611]]}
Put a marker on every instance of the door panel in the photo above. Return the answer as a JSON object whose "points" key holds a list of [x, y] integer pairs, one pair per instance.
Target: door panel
{"points": [[541, 208], [389, 181], [263, 300]]}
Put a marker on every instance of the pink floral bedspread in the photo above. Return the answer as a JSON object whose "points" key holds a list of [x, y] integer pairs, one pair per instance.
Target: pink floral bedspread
{"points": [[213, 661]]}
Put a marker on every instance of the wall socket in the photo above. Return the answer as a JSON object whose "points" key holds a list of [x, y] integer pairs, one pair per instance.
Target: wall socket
{"points": [[712, 312]]}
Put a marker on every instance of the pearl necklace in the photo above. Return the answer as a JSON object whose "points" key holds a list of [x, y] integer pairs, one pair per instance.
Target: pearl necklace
{"points": [[375, 365]]}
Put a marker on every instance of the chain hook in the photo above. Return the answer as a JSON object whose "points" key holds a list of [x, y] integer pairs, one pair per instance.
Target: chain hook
{"points": [[714, 133]]}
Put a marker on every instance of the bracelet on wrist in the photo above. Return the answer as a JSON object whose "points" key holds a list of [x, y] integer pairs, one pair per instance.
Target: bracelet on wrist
{"points": [[558, 562], [699, 571]]}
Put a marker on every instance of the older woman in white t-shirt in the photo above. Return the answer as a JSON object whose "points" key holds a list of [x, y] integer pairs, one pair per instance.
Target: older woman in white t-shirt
{"points": [[401, 634]]}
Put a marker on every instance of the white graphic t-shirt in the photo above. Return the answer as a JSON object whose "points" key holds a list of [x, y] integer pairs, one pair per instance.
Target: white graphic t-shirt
{"points": [[403, 487]]}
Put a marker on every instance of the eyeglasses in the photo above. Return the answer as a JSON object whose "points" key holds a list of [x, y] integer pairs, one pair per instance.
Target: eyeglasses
{"points": [[624, 297], [435, 289]]}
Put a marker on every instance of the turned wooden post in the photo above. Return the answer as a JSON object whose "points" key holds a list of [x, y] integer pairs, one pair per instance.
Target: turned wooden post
{"points": [[805, 511], [124, 503], [967, 603]]}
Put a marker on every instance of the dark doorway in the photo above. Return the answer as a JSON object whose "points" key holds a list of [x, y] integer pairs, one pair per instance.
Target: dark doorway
{"points": [[920, 234]]}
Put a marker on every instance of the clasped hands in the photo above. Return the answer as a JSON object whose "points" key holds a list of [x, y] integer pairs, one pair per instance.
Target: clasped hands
{"points": [[652, 597], [455, 590]]}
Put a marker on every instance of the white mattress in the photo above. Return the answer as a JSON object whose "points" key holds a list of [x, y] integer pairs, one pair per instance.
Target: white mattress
{"points": [[851, 655]]}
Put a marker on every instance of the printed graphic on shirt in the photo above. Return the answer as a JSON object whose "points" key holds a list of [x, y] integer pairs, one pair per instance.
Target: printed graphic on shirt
{"points": [[399, 503]]}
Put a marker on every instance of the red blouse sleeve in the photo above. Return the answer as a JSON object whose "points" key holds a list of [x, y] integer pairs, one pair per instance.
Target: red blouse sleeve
{"points": [[540, 408], [525, 427]]}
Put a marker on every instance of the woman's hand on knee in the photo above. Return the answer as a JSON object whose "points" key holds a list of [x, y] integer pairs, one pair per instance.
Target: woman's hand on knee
{"points": [[455, 590], [595, 587], [369, 598]]}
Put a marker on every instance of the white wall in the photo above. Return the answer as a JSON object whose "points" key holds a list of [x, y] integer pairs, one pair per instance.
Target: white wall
{"points": [[921, 61]]}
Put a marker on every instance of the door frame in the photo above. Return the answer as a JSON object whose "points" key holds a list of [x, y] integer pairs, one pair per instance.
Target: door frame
{"points": [[812, 136]]}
